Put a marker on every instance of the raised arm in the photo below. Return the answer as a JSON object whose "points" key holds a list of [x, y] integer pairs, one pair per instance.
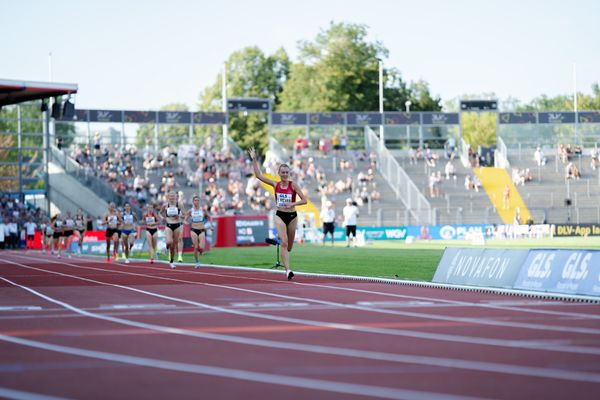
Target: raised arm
{"points": [[257, 172]]}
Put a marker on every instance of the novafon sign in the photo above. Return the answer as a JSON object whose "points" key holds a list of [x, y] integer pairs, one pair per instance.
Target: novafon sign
{"points": [[480, 267]]}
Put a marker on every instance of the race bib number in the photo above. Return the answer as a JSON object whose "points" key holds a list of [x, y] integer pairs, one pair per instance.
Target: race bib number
{"points": [[284, 199]]}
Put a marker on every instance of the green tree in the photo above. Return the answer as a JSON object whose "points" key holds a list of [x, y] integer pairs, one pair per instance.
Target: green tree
{"points": [[339, 71], [250, 73]]}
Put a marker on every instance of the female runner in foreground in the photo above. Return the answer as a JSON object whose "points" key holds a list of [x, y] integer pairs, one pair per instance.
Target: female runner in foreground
{"points": [[80, 228], [173, 215], [128, 231], [151, 220], [286, 217], [111, 220], [198, 230]]}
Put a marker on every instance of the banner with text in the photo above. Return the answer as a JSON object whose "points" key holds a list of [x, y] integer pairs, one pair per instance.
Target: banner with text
{"points": [[480, 267], [561, 271]]}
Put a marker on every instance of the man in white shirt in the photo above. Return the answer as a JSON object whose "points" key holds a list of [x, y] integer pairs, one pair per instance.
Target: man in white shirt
{"points": [[2, 230], [328, 218], [13, 231], [30, 227], [350, 216]]}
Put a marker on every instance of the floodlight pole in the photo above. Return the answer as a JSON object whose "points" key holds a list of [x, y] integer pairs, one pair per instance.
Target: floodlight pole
{"points": [[50, 66], [224, 97], [575, 100], [381, 130]]}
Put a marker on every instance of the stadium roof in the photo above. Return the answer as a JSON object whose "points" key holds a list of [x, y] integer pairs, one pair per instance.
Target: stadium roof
{"points": [[14, 92]]}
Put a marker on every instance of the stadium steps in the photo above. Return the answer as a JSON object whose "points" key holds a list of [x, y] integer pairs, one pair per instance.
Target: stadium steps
{"points": [[388, 211], [545, 195], [493, 181], [456, 205], [68, 194]]}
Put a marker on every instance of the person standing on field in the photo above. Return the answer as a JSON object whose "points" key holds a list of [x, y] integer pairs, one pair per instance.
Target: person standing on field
{"points": [[350, 220], [328, 219]]}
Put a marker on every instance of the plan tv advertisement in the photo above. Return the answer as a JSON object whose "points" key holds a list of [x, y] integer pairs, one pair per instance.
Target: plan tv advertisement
{"points": [[573, 272]]}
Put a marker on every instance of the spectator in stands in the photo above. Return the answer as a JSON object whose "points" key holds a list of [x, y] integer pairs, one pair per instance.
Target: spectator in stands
{"points": [[518, 177], [430, 158], [375, 195], [468, 182], [595, 161], [97, 143], [434, 185], [563, 153], [476, 183], [450, 170], [506, 198], [539, 157], [517, 220], [570, 170], [343, 142], [419, 154], [412, 156], [335, 142], [450, 148]]}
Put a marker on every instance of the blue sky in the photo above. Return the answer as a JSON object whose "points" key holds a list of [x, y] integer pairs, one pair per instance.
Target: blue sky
{"points": [[144, 54]]}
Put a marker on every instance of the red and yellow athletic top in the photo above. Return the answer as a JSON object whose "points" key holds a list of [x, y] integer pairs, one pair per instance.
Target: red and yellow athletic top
{"points": [[284, 197]]}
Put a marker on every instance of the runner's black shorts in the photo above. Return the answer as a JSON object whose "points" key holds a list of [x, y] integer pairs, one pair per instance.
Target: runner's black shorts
{"points": [[286, 217]]}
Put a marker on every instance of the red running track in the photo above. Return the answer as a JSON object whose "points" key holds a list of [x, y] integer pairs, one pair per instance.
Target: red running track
{"points": [[80, 328]]}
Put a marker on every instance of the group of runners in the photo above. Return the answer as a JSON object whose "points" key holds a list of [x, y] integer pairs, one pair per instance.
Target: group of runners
{"points": [[121, 226], [59, 232]]}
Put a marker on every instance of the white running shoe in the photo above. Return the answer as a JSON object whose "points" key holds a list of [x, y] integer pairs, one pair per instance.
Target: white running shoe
{"points": [[172, 265], [197, 265], [69, 256], [58, 256], [127, 261]]}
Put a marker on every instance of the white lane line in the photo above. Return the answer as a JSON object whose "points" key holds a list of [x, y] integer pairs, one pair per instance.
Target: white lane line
{"points": [[439, 317], [13, 394], [20, 308], [229, 373], [157, 306], [453, 302], [549, 301], [538, 372], [532, 345]]}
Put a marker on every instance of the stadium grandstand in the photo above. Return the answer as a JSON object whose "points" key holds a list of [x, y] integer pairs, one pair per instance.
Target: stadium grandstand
{"points": [[401, 169]]}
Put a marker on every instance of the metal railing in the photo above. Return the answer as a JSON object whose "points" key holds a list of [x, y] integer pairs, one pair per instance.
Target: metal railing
{"points": [[463, 153], [405, 189], [233, 147], [87, 178], [501, 155]]}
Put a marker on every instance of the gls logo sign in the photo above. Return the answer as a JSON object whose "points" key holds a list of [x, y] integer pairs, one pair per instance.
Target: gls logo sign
{"points": [[541, 266], [576, 267]]}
